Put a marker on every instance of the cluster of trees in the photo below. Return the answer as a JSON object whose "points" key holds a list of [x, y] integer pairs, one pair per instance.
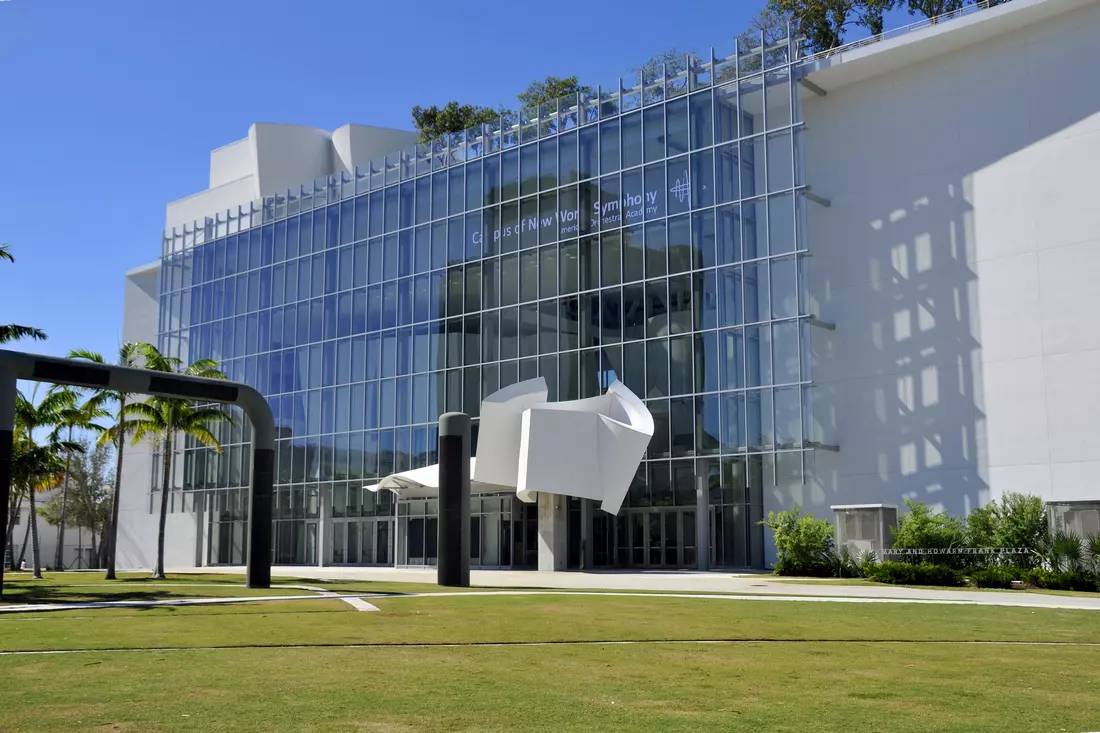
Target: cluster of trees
{"points": [[432, 122], [1016, 524], [52, 449], [825, 24], [46, 456]]}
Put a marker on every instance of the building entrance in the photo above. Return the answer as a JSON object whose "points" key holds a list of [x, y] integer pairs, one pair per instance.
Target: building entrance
{"points": [[662, 537], [503, 532], [362, 541]]}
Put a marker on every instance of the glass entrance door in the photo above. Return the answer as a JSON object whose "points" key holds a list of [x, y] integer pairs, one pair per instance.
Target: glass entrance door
{"points": [[361, 541], [659, 538]]}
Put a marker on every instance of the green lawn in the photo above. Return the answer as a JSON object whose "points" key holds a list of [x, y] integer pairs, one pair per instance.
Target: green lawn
{"points": [[796, 666]]}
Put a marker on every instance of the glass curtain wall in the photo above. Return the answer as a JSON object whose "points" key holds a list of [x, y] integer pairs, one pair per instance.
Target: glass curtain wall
{"points": [[652, 234]]}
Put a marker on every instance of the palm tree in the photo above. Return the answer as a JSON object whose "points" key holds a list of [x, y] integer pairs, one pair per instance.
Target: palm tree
{"points": [[36, 466], [162, 419], [12, 331], [77, 417], [127, 357]]}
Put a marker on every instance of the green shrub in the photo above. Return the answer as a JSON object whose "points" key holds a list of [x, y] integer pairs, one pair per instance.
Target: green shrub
{"points": [[922, 529], [1066, 552], [1017, 520], [804, 545], [1060, 580], [1093, 546], [859, 565], [924, 573], [995, 576]]}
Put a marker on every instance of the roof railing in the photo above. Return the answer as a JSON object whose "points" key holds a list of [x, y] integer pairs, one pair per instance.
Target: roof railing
{"points": [[903, 30]]}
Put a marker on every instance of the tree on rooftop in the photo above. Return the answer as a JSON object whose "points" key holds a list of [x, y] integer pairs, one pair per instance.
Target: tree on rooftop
{"points": [[551, 88], [823, 23], [433, 122], [933, 8], [671, 62]]}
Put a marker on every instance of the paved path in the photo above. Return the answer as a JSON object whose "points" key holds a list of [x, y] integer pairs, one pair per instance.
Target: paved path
{"points": [[684, 582]]}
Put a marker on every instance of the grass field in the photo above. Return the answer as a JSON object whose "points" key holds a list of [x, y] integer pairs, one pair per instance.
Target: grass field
{"points": [[508, 662]]}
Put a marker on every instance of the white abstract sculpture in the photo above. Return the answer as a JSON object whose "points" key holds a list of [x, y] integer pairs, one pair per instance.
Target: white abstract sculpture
{"points": [[499, 435], [588, 448]]}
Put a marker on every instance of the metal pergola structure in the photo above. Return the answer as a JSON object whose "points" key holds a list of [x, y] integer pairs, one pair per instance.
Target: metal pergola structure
{"points": [[16, 365]]}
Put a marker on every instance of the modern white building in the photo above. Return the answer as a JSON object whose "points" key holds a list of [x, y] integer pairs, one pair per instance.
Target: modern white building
{"points": [[844, 279], [79, 546]]}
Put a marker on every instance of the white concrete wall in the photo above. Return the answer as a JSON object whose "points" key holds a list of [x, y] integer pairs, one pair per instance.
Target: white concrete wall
{"points": [[286, 156], [137, 526], [134, 548], [230, 162], [275, 158], [354, 145], [77, 543], [960, 261]]}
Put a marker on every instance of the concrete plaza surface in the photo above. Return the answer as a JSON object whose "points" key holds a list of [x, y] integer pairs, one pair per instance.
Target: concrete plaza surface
{"points": [[682, 582]]}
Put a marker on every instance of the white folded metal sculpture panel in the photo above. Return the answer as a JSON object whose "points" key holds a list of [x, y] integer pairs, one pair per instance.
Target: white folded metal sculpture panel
{"points": [[588, 448], [499, 430]]}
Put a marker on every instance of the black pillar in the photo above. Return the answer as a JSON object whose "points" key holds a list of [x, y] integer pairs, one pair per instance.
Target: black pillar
{"points": [[453, 566], [5, 493], [259, 518]]}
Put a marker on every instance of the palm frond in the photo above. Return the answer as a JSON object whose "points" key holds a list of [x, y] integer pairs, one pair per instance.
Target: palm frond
{"points": [[147, 411], [206, 368], [204, 436], [155, 360], [85, 355], [15, 332], [143, 430], [5, 253], [201, 416]]}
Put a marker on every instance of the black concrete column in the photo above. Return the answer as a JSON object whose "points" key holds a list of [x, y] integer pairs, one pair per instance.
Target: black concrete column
{"points": [[7, 433], [259, 518], [453, 566]]}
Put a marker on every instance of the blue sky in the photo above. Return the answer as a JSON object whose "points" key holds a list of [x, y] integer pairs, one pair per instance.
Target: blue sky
{"points": [[110, 108]]}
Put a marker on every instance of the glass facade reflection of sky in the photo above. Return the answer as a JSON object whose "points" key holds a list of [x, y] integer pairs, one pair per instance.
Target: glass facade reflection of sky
{"points": [[653, 235]]}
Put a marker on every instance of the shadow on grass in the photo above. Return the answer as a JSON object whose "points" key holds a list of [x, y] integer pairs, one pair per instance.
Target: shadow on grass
{"points": [[20, 593]]}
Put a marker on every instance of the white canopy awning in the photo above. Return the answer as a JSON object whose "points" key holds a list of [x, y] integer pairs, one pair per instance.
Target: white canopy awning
{"points": [[423, 483]]}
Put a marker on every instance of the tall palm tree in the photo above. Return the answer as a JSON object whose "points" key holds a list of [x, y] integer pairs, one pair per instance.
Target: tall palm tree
{"points": [[12, 331], [38, 466], [80, 416], [127, 357], [162, 419]]}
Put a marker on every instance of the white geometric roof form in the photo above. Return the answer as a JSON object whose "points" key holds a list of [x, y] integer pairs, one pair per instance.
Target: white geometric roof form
{"points": [[588, 448]]}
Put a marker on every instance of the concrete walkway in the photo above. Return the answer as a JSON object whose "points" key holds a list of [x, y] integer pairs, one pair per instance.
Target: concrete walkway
{"points": [[683, 582]]}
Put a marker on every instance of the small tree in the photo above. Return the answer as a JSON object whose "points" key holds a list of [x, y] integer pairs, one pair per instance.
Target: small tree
{"points": [[81, 416], [933, 8], [89, 505], [1016, 520], [163, 418], [1023, 521], [923, 529], [668, 63], [116, 434], [550, 89], [432, 122], [803, 543]]}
